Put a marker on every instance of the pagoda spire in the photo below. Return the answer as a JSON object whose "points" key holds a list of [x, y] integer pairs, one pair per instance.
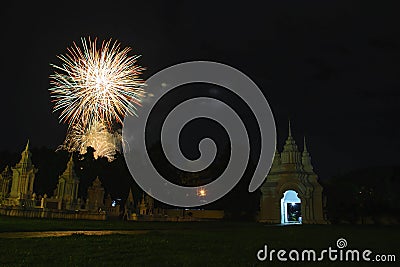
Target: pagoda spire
{"points": [[26, 155], [70, 161], [290, 144], [130, 196], [96, 182], [69, 173], [27, 146], [290, 153], [306, 159], [143, 198], [129, 203]]}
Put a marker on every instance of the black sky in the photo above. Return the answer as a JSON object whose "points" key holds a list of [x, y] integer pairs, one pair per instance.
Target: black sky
{"points": [[331, 66]]}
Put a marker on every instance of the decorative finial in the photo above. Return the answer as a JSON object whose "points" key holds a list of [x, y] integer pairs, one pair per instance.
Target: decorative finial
{"points": [[130, 196], [305, 145], [27, 146], [290, 129], [70, 163]]}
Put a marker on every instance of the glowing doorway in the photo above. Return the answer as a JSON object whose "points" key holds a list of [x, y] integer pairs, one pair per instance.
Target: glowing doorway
{"points": [[290, 208]]}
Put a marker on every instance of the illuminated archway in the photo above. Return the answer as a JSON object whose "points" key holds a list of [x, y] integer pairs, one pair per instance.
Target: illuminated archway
{"points": [[291, 208]]}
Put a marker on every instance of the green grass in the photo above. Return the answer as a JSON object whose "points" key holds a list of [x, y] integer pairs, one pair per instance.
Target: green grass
{"points": [[17, 224], [181, 244]]}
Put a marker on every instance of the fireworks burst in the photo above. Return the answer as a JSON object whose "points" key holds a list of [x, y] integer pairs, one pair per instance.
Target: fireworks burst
{"points": [[97, 136], [93, 88], [96, 84]]}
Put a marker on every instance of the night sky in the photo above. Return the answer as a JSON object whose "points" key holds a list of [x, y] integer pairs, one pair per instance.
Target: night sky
{"points": [[332, 67]]}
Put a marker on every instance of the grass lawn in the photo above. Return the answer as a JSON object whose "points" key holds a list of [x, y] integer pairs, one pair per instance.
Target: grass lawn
{"points": [[184, 244]]}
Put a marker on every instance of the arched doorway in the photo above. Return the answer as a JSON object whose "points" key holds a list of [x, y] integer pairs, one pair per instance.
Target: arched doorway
{"points": [[290, 208]]}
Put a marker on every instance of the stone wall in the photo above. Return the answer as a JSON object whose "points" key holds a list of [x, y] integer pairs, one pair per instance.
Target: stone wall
{"points": [[51, 214]]}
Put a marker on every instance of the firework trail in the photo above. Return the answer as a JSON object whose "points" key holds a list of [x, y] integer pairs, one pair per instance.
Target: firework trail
{"points": [[93, 89]]}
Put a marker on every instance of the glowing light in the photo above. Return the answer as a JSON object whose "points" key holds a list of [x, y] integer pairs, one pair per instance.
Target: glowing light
{"points": [[201, 192]]}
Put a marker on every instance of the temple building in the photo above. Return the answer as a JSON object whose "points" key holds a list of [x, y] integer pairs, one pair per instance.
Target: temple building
{"points": [[5, 183], [129, 207], [67, 188], [146, 205], [95, 196], [18, 199], [291, 193], [23, 177]]}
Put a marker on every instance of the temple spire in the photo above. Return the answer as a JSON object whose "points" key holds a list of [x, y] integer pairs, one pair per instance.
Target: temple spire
{"points": [[26, 156], [70, 166], [130, 202], [305, 145], [70, 161], [27, 146], [130, 196], [306, 159], [69, 173], [290, 144], [26, 153], [290, 153]]}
